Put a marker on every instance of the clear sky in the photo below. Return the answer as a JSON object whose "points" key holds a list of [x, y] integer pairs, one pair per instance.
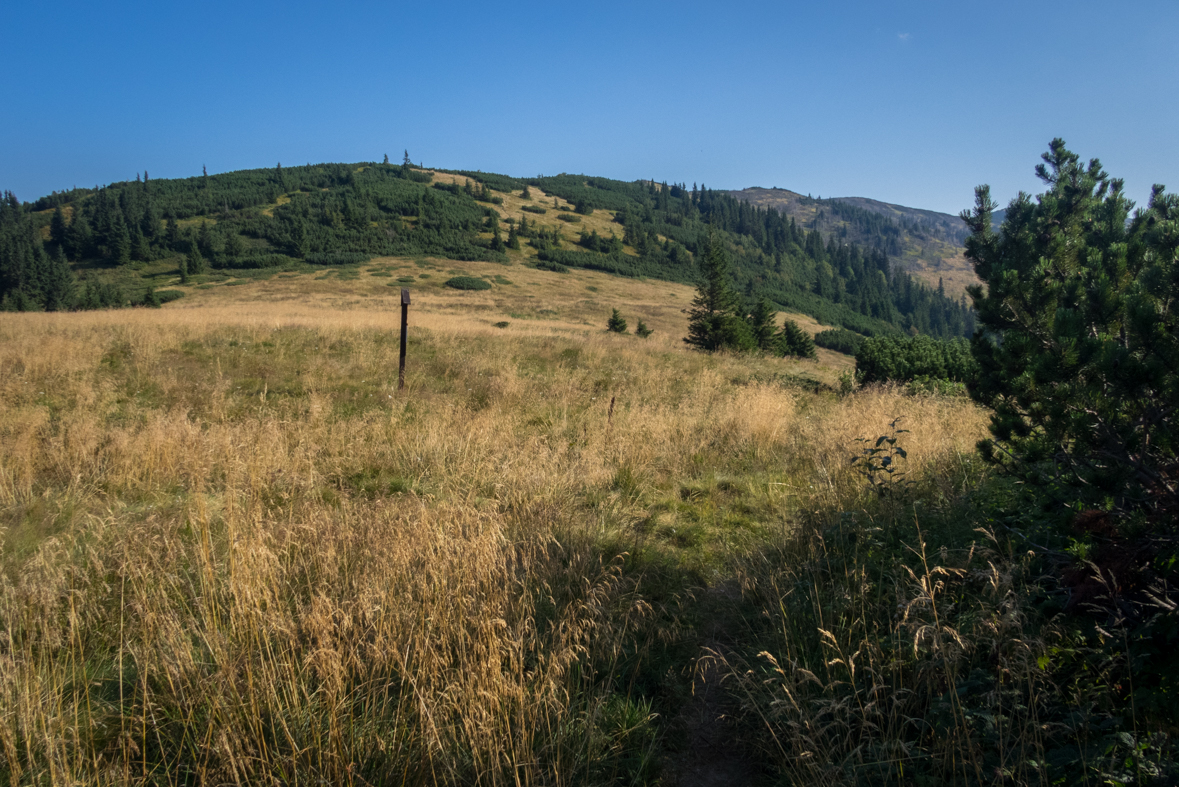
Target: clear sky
{"points": [[907, 102]]}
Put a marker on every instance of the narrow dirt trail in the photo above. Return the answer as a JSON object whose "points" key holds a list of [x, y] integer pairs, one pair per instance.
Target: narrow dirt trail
{"points": [[712, 754]]}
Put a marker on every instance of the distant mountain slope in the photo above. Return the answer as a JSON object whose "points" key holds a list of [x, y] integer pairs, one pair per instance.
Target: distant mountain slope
{"points": [[924, 242], [337, 215]]}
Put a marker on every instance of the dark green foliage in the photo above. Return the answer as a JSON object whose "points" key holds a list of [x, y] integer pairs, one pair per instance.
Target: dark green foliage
{"points": [[596, 243], [1078, 350], [468, 283], [583, 207], [167, 296], [761, 324], [878, 462], [259, 261], [794, 341], [616, 323], [97, 295], [714, 321], [30, 278], [192, 264], [502, 183], [642, 330], [549, 265], [569, 217], [534, 209], [901, 359], [338, 258], [840, 340]]}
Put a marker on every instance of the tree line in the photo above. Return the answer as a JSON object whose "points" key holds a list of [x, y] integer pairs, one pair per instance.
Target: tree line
{"points": [[344, 213]]}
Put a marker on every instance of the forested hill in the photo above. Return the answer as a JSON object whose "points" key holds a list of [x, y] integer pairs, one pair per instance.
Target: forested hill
{"points": [[338, 214], [925, 243]]}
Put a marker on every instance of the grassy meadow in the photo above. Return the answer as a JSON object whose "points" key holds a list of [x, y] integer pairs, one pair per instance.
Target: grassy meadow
{"points": [[235, 553]]}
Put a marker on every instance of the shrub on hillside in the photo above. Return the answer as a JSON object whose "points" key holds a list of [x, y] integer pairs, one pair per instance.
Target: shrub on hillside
{"points": [[839, 339], [338, 258], [467, 283], [901, 359]]}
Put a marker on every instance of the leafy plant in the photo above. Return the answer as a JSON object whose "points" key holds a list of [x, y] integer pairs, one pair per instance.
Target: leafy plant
{"points": [[878, 461]]}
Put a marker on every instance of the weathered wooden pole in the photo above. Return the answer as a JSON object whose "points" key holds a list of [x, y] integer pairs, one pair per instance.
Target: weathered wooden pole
{"points": [[404, 325]]}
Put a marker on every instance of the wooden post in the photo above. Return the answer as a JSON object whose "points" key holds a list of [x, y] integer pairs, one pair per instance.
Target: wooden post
{"points": [[404, 324]]}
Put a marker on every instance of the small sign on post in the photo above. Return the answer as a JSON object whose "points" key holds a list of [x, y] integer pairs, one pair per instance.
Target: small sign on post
{"points": [[404, 324]]}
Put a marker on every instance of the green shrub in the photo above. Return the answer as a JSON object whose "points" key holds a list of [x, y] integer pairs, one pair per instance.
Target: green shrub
{"points": [[901, 359], [468, 283], [257, 261], [337, 258], [534, 209], [839, 339], [167, 296], [549, 265], [569, 217]]}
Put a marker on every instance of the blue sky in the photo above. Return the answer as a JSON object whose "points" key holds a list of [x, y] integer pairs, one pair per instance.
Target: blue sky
{"points": [[907, 102]]}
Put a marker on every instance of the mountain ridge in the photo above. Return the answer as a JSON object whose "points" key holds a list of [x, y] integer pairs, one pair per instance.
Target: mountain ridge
{"points": [[926, 243]]}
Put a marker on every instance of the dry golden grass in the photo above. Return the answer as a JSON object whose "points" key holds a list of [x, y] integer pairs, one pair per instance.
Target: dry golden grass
{"points": [[234, 552], [535, 302]]}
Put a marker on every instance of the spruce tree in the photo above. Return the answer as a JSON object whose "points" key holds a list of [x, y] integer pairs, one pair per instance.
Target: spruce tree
{"points": [[80, 238], [616, 323], [1078, 347], [118, 239], [794, 341], [761, 324], [713, 320], [194, 263], [58, 283], [58, 230], [642, 330]]}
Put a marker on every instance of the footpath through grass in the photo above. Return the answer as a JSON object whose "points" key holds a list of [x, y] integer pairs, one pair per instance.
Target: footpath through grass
{"points": [[234, 552]]}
